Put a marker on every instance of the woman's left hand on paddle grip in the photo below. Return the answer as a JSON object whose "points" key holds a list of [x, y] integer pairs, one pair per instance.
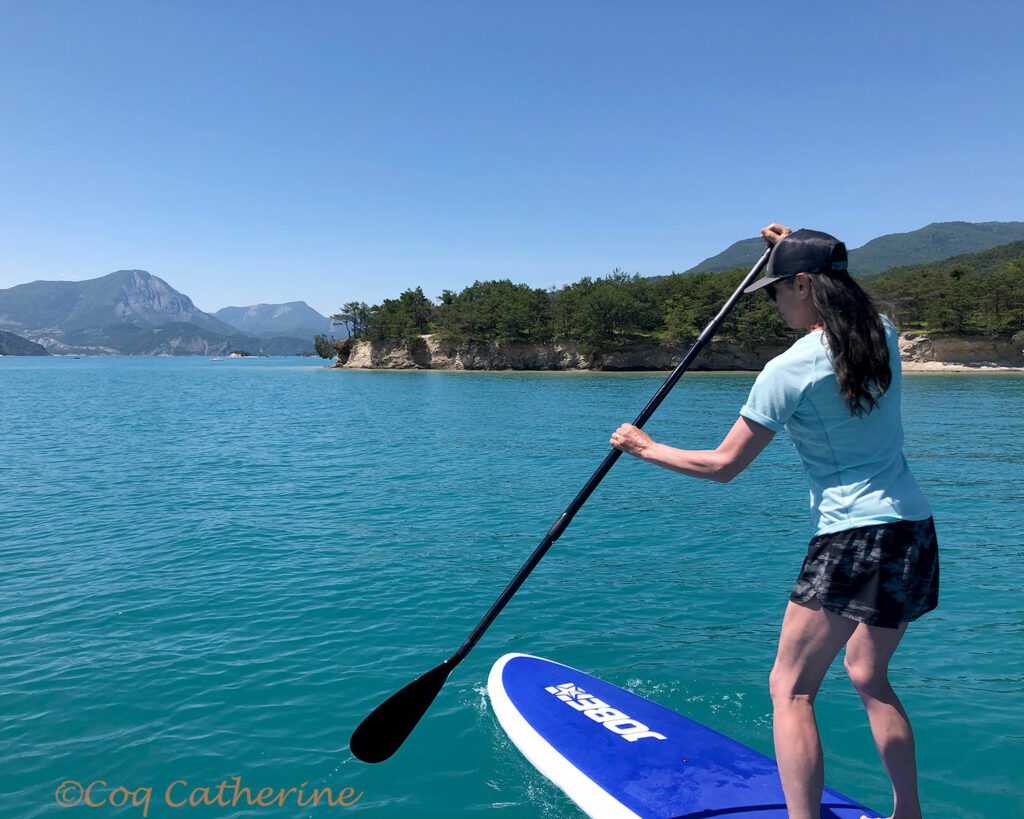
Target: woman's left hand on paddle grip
{"points": [[631, 440]]}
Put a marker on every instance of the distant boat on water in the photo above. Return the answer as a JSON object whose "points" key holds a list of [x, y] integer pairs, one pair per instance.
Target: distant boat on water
{"points": [[216, 359]]}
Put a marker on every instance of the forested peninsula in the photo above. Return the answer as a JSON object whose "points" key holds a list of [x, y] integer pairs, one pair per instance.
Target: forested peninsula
{"points": [[967, 309]]}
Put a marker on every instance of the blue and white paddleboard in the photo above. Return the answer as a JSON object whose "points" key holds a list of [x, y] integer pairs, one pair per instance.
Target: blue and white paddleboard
{"points": [[619, 756]]}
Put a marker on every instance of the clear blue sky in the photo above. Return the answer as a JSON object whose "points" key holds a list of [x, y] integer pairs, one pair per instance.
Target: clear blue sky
{"points": [[329, 151]]}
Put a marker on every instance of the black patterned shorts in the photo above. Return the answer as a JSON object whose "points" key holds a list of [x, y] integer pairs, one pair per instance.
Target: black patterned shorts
{"points": [[880, 575]]}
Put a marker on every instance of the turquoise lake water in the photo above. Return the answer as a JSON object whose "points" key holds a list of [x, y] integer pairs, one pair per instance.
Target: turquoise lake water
{"points": [[218, 569]]}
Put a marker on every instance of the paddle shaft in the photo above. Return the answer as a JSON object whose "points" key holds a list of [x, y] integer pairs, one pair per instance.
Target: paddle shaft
{"points": [[566, 517]]}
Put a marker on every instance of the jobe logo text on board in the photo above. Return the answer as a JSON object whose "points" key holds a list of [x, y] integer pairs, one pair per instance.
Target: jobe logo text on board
{"points": [[614, 720]]}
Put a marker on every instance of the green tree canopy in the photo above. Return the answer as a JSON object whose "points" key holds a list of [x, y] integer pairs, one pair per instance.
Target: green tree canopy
{"points": [[353, 317], [494, 311], [599, 311], [401, 319], [976, 293]]}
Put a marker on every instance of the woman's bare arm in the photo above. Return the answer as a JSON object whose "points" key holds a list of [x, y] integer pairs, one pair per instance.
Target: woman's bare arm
{"points": [[744, 442]]}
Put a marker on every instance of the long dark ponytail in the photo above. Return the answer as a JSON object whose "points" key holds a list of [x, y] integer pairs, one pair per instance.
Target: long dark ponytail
{"points": [[856, 338]]}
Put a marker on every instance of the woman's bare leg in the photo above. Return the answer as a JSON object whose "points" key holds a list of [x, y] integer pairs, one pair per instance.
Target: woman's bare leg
{"points": [[810, 640], [867, 663]]}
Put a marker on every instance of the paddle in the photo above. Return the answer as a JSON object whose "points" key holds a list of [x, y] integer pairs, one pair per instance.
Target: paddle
{"points": [[386, 728]]}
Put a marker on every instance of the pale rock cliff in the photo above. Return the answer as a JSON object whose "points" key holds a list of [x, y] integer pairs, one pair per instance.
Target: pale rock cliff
{"points": [[430, 353], [918, 352], [921, 352]]}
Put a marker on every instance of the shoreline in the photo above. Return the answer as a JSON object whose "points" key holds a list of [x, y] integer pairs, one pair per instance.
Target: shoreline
{"points": [[932, 367], [909, 368]]}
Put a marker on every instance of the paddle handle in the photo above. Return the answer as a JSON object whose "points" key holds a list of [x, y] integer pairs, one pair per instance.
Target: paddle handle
{"points": [[563, 521]]}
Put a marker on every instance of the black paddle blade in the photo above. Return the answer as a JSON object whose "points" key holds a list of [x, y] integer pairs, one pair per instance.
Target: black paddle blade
{"points": [[383, 732]]}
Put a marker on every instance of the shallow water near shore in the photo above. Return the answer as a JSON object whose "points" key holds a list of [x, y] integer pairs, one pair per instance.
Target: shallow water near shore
{"points": [[218, 569]]}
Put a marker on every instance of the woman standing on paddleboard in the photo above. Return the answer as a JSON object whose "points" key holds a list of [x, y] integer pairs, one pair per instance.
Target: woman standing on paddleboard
{"points": [[872, 565]]}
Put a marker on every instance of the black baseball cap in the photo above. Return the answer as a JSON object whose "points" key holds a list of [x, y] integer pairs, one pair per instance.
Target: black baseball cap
{"points": [[802, 251]]}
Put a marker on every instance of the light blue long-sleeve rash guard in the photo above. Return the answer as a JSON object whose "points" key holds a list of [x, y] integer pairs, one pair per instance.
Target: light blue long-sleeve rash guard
{"points": [[855, 466]]}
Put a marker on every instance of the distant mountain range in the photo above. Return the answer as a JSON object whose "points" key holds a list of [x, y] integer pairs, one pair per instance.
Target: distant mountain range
{"points": [[937, 241], [294, 318], [131, 312], [126, 296]]}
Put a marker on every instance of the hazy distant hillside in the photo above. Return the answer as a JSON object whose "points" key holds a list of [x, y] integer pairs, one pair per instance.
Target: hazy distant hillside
{"points": [[179, 338], [971, 294], [126, 296], [10, 344], [739, 254], [294, 318], [935, 242], [128, 312]]}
